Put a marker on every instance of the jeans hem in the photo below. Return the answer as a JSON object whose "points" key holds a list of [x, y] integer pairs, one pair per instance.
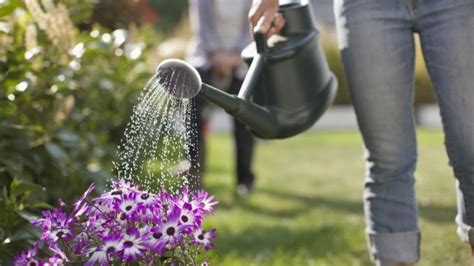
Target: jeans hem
{"points": [[394, 247]]}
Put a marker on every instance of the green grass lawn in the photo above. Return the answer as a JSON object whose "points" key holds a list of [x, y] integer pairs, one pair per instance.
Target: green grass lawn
{"points": [[306, 208]]}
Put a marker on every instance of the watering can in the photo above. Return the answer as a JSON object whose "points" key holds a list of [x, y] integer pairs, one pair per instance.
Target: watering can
{"points": [[287, 88]]}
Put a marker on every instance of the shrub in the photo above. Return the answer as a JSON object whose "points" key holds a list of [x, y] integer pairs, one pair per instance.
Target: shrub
{"points": [[65, 96]]}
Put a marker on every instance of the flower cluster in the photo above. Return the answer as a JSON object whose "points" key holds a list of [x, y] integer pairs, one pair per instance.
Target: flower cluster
{"points": [[55, 21], [125, 224]]}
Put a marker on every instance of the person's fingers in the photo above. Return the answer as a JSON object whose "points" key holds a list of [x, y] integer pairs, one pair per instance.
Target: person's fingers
{"points": [[279, 22], [271, 31], [270, 27], [265, 22], [255, 13]]}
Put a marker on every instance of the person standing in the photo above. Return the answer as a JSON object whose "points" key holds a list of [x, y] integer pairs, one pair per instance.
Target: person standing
{"points": [[376, 40], [221, 32]]}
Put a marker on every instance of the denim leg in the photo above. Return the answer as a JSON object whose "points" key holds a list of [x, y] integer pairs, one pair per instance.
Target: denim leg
{"points": [[447, 38], [377, 47]]}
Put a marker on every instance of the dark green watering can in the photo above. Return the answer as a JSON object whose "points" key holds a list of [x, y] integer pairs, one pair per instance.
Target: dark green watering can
{"points": [[287, 88]]}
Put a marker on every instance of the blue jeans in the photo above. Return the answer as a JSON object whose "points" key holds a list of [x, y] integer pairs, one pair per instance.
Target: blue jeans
{"points": [[376, 39]]}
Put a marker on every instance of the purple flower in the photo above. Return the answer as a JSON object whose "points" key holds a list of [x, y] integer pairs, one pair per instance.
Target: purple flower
{"points": [[171, 230], [164, 198], [101, 206], [28, 257], [54, 261], [80, 206], [119, 188], [80, 243], [124, 184], [154, 240], [185, 198], [124, 187], [103, 254], [203, 238], [122, 225], [58, 252], [147, 203], [189, 218], [206, 201], [55, 225], [133, 245], [148, 199], [127, 206]]}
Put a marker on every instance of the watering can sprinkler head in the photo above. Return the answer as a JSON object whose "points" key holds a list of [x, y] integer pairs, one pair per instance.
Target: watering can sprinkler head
{"points": [[178, 78]]}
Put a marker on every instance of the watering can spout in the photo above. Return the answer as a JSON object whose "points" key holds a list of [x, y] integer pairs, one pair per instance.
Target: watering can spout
{"points": [[182, 81], [259, 119]]}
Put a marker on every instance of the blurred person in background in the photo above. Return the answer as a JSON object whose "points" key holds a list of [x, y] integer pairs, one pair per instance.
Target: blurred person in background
{"points": [[221, 32], [376, 39]]}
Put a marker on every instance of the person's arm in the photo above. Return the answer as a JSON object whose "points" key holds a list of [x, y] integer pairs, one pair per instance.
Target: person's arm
{"points": [[264, 17], [201, 16]]}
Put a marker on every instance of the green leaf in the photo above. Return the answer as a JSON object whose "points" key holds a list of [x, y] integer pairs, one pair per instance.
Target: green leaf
{"points": [[27, 215], [40, 204], [9, 7], [19, 187]]}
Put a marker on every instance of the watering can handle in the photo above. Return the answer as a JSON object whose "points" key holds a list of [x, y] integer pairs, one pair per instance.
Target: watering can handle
{"points": [[261, 42], [255, 68]]}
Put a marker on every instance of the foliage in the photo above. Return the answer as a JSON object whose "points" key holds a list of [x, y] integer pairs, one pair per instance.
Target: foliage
{"points": [[16, 206], [64, 99], [170, 13], [115, 14]]}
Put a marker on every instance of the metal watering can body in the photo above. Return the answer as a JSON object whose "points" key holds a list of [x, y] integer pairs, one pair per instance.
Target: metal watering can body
{"points": [[287, 88]]}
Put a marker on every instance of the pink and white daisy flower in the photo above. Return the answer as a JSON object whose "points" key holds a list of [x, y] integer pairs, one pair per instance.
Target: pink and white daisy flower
{"points": [[28, 257], [171, 230], [103, 254], [188, 217], [154, 240], [147, 202], [207, 203], [186, 198], [80, 206], [133, 245], [203, 238], [127, 207], [55, 225], [54, 261]]}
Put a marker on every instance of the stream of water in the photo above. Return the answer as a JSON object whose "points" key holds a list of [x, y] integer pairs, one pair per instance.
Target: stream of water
{"points": [[155, 148]]}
